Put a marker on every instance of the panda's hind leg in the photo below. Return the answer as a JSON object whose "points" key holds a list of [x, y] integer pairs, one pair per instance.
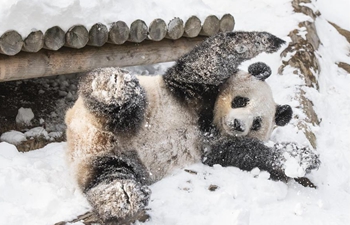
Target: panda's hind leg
{"points": [[117, 189], [115, 96]]}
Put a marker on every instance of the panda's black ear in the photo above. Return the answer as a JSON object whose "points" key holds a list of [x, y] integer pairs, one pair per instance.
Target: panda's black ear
{"points": [[283, 115], [259, 70]]}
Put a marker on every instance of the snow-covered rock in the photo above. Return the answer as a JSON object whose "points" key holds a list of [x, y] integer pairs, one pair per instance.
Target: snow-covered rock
{"points": [[24, 116], [37, 132], [13, 137]]}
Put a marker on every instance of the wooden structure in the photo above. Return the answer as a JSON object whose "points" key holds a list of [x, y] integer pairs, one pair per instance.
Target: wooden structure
{"points": [[58, 52]]}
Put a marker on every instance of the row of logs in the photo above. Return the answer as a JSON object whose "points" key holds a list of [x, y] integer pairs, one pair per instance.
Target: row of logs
{"points": [[78, 36]]}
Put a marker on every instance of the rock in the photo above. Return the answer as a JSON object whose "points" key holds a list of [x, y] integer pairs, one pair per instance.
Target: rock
{"points": [[212, 187]]}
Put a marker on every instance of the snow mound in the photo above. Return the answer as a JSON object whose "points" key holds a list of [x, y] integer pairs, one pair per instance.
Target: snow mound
{"points": [[13, 137], [36, 187]]}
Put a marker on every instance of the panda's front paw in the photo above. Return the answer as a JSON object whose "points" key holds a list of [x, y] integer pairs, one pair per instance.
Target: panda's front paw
{"points": [[119, 201], [297, 160]]}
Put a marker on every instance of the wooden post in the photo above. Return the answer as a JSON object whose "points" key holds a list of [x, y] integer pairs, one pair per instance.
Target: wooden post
{"points": [[54, 38], [210, 26], [227, 23], [33, 42], [138, 31], [157, 30], [118, 33], [192, 27], [11, 43], [98, 35], [77, 37], [175, 29], [26, 65]]}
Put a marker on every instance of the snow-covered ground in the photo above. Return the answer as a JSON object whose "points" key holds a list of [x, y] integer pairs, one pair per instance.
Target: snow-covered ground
{"points": [[36, 188]]}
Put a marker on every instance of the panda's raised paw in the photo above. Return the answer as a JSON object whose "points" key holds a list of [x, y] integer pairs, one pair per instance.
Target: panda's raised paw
{"points": [[297, 160], [114, 85]]}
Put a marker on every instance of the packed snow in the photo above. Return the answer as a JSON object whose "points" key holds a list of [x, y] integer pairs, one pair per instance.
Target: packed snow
{"points": [[36, 187]]}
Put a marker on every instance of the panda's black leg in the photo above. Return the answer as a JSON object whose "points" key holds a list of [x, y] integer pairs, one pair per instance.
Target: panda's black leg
{"points": [[115, 96], [248, 153], [117, 189]]}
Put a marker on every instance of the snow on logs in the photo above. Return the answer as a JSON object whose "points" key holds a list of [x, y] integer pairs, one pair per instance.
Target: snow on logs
{"points": [[78, 38]]}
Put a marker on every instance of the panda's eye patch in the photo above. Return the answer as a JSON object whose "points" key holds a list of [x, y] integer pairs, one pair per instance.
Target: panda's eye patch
{"points": [[239, 102], [256, 124]]}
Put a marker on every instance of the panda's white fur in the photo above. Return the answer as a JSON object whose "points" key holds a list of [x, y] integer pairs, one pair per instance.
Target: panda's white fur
{"points": [[169, 136]]}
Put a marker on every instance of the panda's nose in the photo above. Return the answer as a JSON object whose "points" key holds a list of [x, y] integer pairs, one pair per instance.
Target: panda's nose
{"points": [[238, 125]]}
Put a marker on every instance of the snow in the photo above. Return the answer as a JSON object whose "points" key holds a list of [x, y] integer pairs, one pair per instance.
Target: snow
{"points": [[36, 187]]}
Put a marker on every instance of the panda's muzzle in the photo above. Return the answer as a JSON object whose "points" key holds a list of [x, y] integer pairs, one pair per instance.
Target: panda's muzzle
{"points": [[237, 125]]}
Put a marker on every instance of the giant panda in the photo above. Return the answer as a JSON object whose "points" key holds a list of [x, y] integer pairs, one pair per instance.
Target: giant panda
{"points": [[126, 132]]}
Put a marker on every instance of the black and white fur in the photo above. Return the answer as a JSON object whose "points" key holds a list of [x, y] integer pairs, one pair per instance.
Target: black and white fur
{"points": [[126, 132]]}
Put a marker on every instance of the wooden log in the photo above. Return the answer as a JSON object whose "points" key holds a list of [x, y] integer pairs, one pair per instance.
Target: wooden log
{"points": [[77, 37], [54, 38], [11, 43], [227, 23], [138, 31], [175, 29], [192, 27], [210, 26], [118, 33], [33, 42], [26, 65], [157, 30], [98, 35]]}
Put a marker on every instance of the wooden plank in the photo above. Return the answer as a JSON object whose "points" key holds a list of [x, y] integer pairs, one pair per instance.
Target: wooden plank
{"points": [[175, 29], [54, 38], [118, 33], [33, 42], [11, 43], [98, 35], [138, 31], [77, 37], [68, 60], [210, 26], [157, 30], [227, 23], [192, 27]]}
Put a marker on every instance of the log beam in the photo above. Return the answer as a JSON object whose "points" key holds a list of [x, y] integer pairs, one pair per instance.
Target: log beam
{"points": [[26, 65]]}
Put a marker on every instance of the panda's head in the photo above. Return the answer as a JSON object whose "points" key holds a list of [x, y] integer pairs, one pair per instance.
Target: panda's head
{"points": [[245, 105]]}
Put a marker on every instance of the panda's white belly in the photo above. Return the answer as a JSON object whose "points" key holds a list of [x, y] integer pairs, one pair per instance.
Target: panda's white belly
{"points": [[169, 136]]}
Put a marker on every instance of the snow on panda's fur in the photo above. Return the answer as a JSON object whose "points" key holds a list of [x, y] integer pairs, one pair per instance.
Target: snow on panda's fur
{"points": [[125, 132]]}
